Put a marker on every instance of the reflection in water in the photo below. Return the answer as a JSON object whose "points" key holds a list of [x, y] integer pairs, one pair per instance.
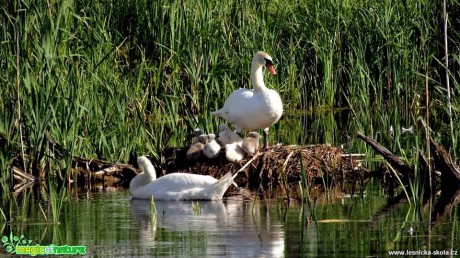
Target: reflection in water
{"points": [[110, 224], [226, 228]]}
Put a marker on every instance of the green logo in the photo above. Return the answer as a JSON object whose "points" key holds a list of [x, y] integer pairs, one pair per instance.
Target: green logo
{"points": [[20, 245]]}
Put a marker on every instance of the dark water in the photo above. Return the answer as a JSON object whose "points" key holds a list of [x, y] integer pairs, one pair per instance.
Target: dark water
{"points": [[110, 224]]}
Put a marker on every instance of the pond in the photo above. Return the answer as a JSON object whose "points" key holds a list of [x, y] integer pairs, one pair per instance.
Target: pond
{"points": [[111, 224]]}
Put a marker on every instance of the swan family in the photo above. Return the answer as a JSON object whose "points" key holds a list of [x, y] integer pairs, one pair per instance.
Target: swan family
{"points": [[234, 146], [246, 110]]}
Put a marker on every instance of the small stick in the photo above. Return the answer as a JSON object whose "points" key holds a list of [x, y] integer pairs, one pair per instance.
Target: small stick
{"points": [[247, 164]]}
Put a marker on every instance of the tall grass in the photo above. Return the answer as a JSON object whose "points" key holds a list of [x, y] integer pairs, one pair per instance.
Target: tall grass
{"points": [[114, 79]]}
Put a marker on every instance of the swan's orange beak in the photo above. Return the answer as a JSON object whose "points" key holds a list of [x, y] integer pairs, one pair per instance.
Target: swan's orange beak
{"points": [[271, 68]]}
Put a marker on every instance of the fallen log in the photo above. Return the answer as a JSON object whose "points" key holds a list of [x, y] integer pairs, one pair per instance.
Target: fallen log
{"points": [[450, 180], [403, 168], [101, 170], [450, 172], [444, 168]]}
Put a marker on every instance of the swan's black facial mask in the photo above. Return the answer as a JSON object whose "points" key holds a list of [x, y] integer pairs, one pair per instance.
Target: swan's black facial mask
{"points": [[269, 65]]}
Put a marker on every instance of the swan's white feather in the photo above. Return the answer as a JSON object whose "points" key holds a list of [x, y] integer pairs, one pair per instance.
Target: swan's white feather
{"points": [[234, 152], [257, 108], [177, 186], [250, 144], [211, 148]]}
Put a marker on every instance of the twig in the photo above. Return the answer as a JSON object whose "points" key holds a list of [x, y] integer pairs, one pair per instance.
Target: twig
{"points": [[19, 174], [287, 159], [354, 155], [247, 164]]}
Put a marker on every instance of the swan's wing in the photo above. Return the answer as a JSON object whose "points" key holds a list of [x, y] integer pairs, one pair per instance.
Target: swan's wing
{"points": [[248, 110], [237, 106], [172, 186], [181, 186], [212, 192], [185, 180]]}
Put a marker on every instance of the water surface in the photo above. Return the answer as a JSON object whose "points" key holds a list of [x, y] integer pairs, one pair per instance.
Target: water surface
{"points": [[111, 224]]}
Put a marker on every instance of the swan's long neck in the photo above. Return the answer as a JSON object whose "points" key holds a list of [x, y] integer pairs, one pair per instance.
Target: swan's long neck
{"points": [[149, 172], [257, 76]]}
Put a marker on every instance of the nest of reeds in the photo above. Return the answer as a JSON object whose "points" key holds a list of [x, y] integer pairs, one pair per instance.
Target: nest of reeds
{"points": [[278, 164]]}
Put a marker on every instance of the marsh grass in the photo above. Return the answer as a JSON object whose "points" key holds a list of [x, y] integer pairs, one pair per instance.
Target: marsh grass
{"points": [[305, 191], [56, 200], [116, 79], [196, 208], [153, 207]]}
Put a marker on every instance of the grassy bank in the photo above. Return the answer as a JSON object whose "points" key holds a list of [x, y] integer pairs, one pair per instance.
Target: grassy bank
{"points": [[116, 79]]}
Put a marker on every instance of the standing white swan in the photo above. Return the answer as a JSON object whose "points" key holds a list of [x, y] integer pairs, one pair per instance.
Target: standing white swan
{"points": [[176, 186], [258, 108]]}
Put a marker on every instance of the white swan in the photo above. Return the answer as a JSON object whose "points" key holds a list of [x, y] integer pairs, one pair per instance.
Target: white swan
{"points": [[211, 148], [196, 149], [258, 108], [226, 136], [176, 186], [251, 143], [234, 152]]}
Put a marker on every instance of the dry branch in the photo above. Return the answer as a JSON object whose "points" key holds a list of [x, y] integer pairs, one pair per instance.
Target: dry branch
{"points": [[394, 160], [22, 176], [450, 173]]}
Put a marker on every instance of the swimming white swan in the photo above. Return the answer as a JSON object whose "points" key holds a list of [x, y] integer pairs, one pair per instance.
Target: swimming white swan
{"points": [[258, 108], [227, 136], [196, 149], [234, 152], [176, 186], [251, 143], [211, 148]]}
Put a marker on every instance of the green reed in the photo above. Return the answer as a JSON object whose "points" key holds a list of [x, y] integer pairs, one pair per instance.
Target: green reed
{"points": [[56, 200], [115, 79], [153, 207]]}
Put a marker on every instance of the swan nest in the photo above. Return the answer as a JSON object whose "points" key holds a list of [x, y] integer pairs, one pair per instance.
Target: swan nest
{"points": [[273, 167], [276, 165]]}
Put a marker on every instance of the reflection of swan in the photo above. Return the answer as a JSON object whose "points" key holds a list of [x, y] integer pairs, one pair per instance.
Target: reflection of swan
{"points": [[223, 228], [171, 214], [176, 186], [258, 108]]}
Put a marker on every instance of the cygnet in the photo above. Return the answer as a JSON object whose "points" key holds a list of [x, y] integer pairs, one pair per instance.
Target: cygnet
{"points": [[196, 149], [211, 148], [251, 143], [227, 136], [233, 152]]}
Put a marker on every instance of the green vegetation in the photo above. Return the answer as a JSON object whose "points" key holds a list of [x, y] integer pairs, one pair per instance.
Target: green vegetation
{"points": [[115, 79]]}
